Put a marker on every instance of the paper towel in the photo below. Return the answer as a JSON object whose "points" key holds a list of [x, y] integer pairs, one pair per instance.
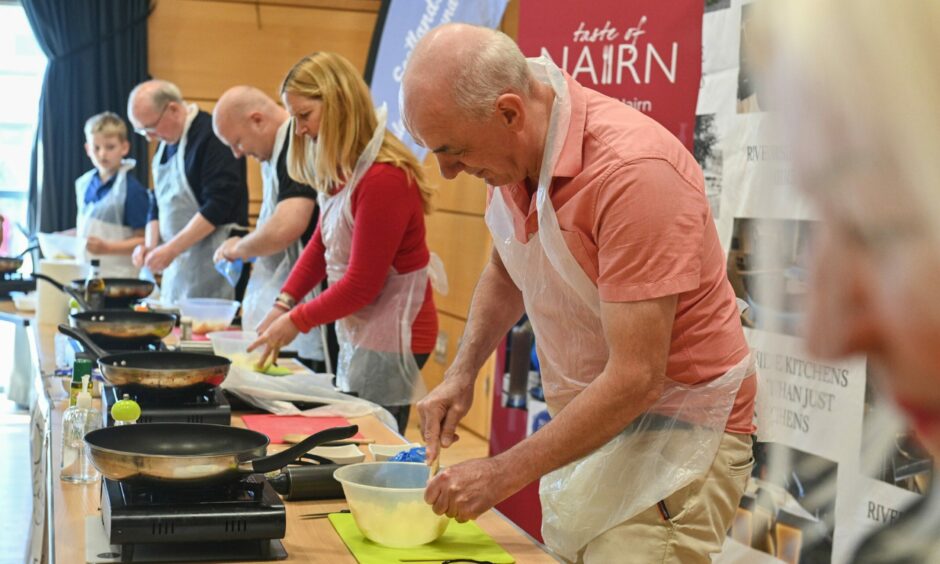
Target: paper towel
{"points": [[52, 305]]}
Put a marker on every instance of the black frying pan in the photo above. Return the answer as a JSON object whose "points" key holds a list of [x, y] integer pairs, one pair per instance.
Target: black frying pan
{"points": [[192, 453], [120, 292], [123, 324], [163, 371], [12, 264]]}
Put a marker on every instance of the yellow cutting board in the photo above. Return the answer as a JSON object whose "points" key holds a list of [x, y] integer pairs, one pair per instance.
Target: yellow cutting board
{"points": [[461, 540]]}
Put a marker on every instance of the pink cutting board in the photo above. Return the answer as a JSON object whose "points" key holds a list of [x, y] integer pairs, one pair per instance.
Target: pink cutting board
{"points": [[276, 426]]}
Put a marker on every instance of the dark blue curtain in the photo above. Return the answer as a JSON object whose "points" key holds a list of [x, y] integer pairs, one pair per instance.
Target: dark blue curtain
{"points": [[97, 52]]}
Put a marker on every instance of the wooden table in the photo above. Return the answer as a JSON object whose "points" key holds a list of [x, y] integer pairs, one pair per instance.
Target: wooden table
{"points": [[305, 541]]}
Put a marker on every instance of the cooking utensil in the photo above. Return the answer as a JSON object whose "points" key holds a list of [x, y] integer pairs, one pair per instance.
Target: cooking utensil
{"points": [[12, 264], [308, 516], [120, 292], [155, 370], [192, 454], [123, 324]]}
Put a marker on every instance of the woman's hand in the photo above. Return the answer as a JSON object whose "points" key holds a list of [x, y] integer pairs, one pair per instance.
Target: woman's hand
{"points": [[271, 317], [277, 335]]}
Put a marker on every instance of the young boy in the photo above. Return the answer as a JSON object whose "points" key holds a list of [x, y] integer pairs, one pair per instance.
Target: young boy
{"points": [[112, 206]]}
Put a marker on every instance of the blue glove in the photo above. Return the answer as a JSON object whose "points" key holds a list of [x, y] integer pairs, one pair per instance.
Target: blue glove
{"points": [[231, 270], [416, 454]]}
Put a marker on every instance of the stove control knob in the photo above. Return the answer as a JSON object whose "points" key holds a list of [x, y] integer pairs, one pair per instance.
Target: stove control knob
{"points": [[125, 411]]}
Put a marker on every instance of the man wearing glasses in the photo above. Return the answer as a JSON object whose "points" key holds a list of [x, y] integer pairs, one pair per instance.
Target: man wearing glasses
{"points": [[200, 193]]}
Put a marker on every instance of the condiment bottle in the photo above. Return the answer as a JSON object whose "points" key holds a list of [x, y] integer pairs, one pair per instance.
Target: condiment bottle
{"points": [[94, 286], [125, 411], [76, 422]]}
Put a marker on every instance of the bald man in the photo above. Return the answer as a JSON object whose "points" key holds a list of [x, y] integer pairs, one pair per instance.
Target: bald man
{"points": [[200, 190], [603, 236], [250, 123]]}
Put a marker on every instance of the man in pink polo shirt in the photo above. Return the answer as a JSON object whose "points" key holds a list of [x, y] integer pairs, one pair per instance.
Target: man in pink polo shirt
{"points": [[604, 238]]}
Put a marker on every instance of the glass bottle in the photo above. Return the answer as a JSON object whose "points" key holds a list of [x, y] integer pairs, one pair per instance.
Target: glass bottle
{"points": [[76, 422], [94, 286]]}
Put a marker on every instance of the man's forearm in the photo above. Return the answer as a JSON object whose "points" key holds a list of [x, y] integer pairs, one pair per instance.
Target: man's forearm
{"points": [[196, 230], [289, 221], [496, 306]]}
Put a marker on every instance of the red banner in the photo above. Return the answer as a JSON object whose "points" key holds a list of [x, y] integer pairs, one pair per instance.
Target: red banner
{"points": [[647, 53]]}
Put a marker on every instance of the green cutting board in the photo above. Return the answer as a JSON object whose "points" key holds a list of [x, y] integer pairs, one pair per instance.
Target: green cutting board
{"points": [[460, 540]]}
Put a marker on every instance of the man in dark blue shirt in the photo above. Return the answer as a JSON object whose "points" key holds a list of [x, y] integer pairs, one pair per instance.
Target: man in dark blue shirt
{"points": [[200, 193]]}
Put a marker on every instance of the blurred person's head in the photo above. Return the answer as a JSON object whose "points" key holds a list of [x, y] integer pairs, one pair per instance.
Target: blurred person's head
{"points": [[157, 111], [106, 142], [469, 97], [861, 95], [334, 120], [247, 121]]}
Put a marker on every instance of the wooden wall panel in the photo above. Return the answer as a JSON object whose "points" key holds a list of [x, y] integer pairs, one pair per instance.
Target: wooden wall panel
{"points": [[464, 194], [207, 46], [463, 243], [451, 330]]}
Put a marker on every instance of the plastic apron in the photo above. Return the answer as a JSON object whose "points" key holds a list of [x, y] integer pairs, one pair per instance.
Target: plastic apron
{"points": [[664, 449], [105, 219], [269, 273], [191, 274], [375, 358]]}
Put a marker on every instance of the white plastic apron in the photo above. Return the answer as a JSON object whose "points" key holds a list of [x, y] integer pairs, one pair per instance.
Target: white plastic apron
{"points": [[191, 274], [105, 219], [375, 358], [269, 273], [666, 447]]}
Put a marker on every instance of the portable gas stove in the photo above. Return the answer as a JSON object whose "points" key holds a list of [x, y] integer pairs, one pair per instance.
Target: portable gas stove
{"points": [[15, 282], [237, 521], [190, 405]]}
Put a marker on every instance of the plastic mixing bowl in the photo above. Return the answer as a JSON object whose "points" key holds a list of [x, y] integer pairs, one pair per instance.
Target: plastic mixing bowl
{"points": [[387, 502], [233, 345], [209, 314]]}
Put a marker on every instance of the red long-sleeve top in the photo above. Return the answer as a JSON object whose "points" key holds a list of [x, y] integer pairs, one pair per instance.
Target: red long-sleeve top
{"points": [[388, 231]]}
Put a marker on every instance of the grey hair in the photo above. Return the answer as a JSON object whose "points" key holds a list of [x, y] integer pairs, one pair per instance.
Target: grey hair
{"points": [[497, 68], [165, 93]]}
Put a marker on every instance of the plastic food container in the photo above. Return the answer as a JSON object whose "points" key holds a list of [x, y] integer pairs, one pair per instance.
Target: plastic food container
{"points": [[387, 502], [233, 345], [384, 452], [59, 245], [209, 314], [23, 301]]}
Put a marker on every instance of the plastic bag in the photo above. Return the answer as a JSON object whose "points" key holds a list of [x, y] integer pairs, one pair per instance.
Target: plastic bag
{"points": [[275, 394], [231, 270], [416, 454]]}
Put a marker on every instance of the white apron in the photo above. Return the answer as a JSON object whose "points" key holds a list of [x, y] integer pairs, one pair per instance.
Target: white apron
{"points": [[105, 219], [269, 273], [375, 358], [665, 448], [190, 275]]}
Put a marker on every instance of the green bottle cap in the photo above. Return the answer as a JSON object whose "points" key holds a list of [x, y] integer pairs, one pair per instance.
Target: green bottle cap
{"points": [[125, 409]]}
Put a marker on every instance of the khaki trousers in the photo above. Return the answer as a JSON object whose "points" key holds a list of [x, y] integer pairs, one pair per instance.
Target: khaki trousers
{"points": [[699, 516]]}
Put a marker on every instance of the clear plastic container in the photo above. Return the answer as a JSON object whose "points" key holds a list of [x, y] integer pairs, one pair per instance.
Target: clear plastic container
{"points": [[233, 345], [387, 502], [81, 418], [209, 314]]}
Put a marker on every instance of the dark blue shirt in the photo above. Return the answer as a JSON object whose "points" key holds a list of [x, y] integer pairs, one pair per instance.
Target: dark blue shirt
{"points": [[217, 178], [136, 203]]}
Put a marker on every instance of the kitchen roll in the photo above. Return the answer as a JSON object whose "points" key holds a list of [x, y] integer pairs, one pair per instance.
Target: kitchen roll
{"points": [[52, 306]]}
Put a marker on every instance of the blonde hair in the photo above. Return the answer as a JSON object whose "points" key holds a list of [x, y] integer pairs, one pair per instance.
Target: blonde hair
{"points": [[347, 123], [106, 123], [879, 88]]}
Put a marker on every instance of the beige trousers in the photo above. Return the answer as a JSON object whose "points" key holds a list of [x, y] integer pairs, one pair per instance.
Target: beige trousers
{"points": [[699, 516]]}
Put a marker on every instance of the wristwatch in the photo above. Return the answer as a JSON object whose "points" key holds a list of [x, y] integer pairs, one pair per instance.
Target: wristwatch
{"points": [[285, 300]]}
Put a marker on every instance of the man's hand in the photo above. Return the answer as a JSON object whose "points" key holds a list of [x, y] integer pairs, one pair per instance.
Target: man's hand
{"points": [[139, 256], [160, 258], [226, 250], [278, 335], [469, 489], [98, 246], [443, 408]]}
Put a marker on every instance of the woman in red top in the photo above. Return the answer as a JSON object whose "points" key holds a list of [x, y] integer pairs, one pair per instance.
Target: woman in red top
{"points": [[369, 243]]}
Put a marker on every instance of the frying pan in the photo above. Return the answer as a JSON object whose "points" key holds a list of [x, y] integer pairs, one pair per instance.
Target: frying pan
{"points": [[12, 264], [123, 324], [120, 292], [192, 454], [160, 371]]}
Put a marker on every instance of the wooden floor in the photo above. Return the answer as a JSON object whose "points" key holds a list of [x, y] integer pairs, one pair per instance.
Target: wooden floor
{"points": [[16, 498]]}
